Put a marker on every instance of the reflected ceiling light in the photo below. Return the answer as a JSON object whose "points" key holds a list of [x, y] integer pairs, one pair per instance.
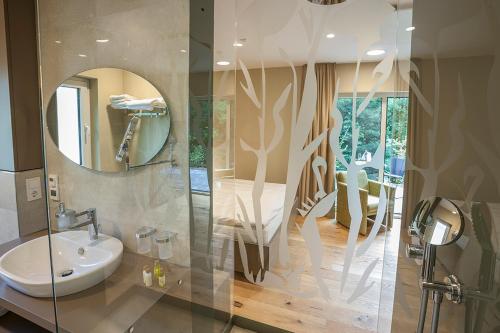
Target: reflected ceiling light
{"points": [[102, 40], [330, 36], [82, 55], [410, 29], [183, 51], [58, 42], [375, 52], [237, 44], [223, 63]]}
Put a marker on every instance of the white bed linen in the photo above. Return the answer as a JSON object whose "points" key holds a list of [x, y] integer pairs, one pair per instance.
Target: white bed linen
{"points": [[228, 213]]}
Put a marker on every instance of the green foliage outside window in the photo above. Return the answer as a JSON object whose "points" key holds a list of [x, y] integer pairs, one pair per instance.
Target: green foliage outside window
{"points": [[396, 130], [199, 137], [369, 133], [369, 125]]}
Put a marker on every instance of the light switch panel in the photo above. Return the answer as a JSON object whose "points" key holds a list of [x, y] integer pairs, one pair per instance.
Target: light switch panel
{"points": [[33, 189], [54, 187]]}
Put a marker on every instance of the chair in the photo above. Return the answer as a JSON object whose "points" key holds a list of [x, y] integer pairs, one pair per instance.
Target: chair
{"points": [[369, 192]]}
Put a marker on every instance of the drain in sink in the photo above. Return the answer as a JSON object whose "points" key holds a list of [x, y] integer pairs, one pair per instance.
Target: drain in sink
{"points": [[66, 273]]}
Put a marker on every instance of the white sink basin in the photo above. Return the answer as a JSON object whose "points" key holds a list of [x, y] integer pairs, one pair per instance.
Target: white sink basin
{"points": [[27, 266]]}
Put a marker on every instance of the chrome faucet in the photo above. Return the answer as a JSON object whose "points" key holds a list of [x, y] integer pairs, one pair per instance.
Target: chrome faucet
{"points": [[68, 219]]}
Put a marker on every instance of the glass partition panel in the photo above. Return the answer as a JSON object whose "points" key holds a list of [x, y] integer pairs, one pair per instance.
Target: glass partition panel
{"points": [[452, 153], [132, 242], [312, 208]]}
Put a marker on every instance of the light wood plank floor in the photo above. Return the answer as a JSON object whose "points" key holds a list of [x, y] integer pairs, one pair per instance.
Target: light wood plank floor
{"points": [[366, 314]]}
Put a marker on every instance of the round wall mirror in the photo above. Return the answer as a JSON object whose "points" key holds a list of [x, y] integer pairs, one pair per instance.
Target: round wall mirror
{"points": [[108, 119], [438, 221]]}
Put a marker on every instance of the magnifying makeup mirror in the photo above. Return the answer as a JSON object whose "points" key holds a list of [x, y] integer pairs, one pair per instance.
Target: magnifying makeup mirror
{"points": [[438, 221]]}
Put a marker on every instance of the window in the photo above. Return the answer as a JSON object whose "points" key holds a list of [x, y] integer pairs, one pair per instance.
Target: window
{"points": [[73, 121], [199, 139], [383, 122], [200, 134], [68, 122], [222, 139], [369, 123], [395, 138]]}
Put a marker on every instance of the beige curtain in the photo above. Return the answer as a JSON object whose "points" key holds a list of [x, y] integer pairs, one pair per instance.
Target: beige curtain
{"points": [[325, 77]]}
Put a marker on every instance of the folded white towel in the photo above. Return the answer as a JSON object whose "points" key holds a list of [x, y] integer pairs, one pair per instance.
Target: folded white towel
{"points": [[120, 98], [148, 104]]}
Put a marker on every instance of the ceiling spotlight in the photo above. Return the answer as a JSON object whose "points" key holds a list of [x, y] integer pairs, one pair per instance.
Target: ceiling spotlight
{"points": [[223, 63], [82, 55], [330, 36], [410, 29], [58, 42], [102, 40], [237, 44], [183, 51], [375, 52]]}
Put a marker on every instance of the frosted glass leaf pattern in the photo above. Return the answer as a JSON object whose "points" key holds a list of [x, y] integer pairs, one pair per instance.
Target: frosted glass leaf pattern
{"points": [[315, 23]]}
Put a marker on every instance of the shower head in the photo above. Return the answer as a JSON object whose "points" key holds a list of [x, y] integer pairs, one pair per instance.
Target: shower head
{"points": [[129, 134]]}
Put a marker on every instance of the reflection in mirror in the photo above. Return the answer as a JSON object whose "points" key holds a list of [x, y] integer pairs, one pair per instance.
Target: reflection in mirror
{"points": [[108, 119], [438, 221]]}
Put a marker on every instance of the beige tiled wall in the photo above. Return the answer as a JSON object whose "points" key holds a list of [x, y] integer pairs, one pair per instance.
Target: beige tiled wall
{"points": [[18, 216], [8, 207], [145, 38], [32, 215]]}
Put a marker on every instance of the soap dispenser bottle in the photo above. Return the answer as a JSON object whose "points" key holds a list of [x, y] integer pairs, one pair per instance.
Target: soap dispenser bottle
{"points": [[64, 217]]}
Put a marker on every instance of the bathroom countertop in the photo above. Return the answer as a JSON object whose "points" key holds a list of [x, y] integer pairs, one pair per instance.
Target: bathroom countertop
{"points": [[114, 305]]}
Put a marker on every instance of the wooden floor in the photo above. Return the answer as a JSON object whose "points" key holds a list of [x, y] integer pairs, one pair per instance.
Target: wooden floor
{"points": [[366, 314]]}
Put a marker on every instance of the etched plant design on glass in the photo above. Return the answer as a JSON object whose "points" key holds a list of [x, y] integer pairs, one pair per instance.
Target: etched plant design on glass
{"points": [[303, 107]]}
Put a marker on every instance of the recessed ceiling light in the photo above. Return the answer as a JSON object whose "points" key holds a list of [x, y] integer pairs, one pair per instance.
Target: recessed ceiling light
{"points": [[375, 52], [454, 212], [237, 44], [330, 36], [58, 42], [82, 55], [223, 63], [183, 51], [410, 29], [102, 40]]}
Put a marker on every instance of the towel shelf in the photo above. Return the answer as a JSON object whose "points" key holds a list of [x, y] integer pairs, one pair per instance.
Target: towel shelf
{"points": [[141, 113]]}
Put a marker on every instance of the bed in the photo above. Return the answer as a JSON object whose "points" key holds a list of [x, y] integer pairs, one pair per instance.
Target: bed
{"points": [[229, 213]]}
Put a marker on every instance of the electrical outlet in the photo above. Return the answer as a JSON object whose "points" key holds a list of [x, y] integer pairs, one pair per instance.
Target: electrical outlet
{"points": [[33, 189]]}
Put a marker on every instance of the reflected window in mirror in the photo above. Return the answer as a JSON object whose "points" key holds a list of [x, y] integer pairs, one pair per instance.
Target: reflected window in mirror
{"points": [[73, 121]]}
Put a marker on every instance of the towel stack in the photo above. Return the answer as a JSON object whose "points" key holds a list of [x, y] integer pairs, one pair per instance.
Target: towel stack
{"points": [[131, 103]]}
